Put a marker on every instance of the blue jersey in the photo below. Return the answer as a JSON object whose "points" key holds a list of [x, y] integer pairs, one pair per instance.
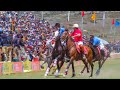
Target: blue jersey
{"points": [[95, 41], [61, 31]]}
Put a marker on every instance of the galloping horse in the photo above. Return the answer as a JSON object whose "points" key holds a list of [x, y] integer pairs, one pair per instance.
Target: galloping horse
{"points": [[73, 54], [57, 55], [101, 57], [104, 56]]}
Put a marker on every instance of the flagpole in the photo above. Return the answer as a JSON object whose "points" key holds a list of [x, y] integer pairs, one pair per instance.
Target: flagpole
{"points": [[111, 29], [114, 33], [68, 18], [103, 19], [68, 15], [82, 23], [82, 14]]}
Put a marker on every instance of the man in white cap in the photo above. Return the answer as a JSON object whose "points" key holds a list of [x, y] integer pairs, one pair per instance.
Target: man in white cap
{"points": [[77, 36]]}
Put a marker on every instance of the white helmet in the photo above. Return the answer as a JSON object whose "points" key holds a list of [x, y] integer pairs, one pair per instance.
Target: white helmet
{"points": [[75, 25]]}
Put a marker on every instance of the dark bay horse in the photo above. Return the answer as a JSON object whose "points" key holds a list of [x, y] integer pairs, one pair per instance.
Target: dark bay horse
{"points": [[101, 57], [73, 54], [105, 54], [56, 56]]}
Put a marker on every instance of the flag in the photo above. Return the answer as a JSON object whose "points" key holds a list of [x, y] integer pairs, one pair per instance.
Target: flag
{"points": [[82, 13], [113, 21], [117, 23], [93, 17]]}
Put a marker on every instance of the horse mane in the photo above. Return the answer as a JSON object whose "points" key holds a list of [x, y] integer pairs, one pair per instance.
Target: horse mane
{"points": [[57, 40], [71, 38]]}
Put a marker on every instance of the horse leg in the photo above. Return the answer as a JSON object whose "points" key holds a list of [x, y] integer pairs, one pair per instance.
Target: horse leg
{"points": [[48, 68], [92, 65], [73, 70], [58, 69], [83, 70], [54, 69], [66, 71], [43, 64], [86, 66], [100, 67], [47, 71], [61, 64], [98, 71]]}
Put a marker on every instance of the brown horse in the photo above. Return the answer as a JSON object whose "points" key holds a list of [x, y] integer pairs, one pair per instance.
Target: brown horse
{"points": [[101, 57], [73, 54]]}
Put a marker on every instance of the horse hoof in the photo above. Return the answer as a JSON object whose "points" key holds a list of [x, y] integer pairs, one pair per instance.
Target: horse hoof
{"points": [[45, 75], [64, 75], [42, 67], [52, 73], [87, 71], [98, 72], [73, 75], [90, 76]]}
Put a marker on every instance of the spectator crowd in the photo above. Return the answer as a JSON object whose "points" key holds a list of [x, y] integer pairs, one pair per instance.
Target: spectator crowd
{"points": [[25, 34]]}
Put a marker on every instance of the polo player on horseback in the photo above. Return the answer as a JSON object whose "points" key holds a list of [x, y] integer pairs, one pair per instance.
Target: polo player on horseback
{"points": [[95, 41], [59, 31], [77, 36]]}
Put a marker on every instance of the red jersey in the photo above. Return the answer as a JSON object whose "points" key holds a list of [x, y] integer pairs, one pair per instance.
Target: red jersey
{"points": [[77, 38]]}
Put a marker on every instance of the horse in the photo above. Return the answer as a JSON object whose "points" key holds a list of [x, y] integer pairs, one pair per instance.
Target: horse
{"points": [[57, 55], [46, 57], [101, 57], [73, 54], [105, 54]]}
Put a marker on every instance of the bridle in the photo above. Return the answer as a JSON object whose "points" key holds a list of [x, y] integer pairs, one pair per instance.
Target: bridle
{"points": [[66, 40]]}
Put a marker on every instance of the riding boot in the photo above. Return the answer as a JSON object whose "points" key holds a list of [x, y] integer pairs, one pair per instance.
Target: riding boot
{"points": [[95, 53]]}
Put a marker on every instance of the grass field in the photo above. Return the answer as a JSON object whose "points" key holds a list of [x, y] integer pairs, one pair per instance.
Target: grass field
{"points": [[110, 70]]}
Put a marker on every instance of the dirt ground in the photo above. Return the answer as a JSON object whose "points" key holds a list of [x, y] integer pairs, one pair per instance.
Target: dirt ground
{"points": [[115, 55]]}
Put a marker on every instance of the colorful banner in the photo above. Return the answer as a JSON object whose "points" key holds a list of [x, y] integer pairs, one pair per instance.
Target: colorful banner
{"points": [[7, 67], [17, 67], [35, 65], [1, 65], [36, 59], [27, 66]]}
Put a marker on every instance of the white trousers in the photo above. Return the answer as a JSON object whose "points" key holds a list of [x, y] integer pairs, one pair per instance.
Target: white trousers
{"points": [[79, 43], [102, 46]]}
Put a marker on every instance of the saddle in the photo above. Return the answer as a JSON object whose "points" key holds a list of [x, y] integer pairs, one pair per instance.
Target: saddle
{"points": [[78, 48]]}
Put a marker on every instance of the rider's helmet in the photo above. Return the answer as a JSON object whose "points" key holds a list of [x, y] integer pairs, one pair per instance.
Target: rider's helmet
{"points": [[75, 25], [91, 36]]}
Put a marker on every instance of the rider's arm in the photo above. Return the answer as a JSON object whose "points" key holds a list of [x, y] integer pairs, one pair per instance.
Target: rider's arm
{"points": [[76, 35]]}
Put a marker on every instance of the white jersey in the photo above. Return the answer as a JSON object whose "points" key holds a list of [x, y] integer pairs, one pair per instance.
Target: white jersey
{"points": [[56, 34], [101, 45]]}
